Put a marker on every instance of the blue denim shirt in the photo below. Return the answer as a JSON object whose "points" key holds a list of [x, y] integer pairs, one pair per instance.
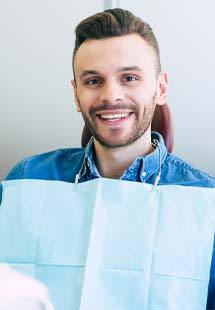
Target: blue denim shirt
{"points": [[65, 164]]}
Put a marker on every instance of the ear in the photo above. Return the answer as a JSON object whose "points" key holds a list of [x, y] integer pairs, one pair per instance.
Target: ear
{"points": [[74, 86], [162, 88]]}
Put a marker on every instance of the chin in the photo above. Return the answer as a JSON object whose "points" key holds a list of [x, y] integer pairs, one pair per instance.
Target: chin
{"points": [[115, 143]]}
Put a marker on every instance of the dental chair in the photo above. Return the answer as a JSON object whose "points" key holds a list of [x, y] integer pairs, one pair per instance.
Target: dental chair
{"points": [[162, 122]]}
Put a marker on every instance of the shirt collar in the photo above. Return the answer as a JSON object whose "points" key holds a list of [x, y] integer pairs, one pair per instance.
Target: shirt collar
{"points": [[142, 167]]}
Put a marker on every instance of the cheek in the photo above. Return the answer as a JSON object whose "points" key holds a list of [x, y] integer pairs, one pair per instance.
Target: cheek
{"points": [[87, 99], [85, 104], [143, 96]]}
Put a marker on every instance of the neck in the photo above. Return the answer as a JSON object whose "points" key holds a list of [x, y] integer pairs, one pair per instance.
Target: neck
{"points": [[112, 162]]}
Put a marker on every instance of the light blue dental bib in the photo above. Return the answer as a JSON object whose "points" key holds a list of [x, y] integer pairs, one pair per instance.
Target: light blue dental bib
{"points": [[110, 244]]}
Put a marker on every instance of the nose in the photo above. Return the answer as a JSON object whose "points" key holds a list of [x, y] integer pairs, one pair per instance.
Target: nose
{"points": [[111, 92]]}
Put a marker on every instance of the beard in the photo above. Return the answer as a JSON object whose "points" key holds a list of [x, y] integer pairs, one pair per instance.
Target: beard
{"points": [[141, 124]]}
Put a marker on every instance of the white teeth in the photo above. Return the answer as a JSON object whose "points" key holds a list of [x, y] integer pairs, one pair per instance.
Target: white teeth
{"points": [[113, 116]]}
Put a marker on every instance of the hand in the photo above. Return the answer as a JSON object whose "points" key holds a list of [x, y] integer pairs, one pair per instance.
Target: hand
{"points": [[18, 291]]}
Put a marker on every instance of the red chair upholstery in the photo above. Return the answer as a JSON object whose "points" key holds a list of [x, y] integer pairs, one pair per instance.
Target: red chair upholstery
{"points": [[162, 122]]}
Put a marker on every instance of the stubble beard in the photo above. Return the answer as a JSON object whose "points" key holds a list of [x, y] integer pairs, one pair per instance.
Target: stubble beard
{"points": [[141, 124]]}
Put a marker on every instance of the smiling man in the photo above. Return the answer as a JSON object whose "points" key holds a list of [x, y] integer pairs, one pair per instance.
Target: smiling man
{"points": [[117, 83], [117, 88]]}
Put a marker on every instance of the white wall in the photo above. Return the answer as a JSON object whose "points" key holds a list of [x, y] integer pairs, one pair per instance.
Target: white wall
{"points": [[37, 110], [36, 102], [185, 31]]}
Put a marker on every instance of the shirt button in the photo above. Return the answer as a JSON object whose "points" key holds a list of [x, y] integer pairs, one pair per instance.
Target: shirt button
{"points": [[144, 174]]}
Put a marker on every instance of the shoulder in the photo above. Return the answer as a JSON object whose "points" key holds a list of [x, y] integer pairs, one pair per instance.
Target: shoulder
{"points": [[55, 165], [178, 171]]}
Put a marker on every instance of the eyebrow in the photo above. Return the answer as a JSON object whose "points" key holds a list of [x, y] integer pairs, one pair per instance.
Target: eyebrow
{"points": [[94, 72], [131, 68], [87, 72]]}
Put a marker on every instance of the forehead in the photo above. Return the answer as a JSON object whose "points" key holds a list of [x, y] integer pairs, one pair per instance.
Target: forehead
{"points": [[111, 53]]}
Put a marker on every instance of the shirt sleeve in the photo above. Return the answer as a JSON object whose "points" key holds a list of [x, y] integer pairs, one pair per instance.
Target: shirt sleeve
{"points": [[17, 172]]}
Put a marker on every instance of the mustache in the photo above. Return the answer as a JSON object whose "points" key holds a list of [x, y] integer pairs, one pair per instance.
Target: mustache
{"points": [[112, 107]]}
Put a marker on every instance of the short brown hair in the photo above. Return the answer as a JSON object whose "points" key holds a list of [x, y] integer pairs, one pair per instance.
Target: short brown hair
{"points": [[113, 23]]}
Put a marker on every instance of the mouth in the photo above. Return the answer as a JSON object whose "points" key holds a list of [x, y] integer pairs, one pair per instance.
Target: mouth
{"points": [[113, 117]]}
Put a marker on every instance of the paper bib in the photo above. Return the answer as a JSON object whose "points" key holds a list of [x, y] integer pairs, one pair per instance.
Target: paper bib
{"points": [[111, 244]]}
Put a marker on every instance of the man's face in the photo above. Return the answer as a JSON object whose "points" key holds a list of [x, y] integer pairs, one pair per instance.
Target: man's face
{"points": [[116, 88]]}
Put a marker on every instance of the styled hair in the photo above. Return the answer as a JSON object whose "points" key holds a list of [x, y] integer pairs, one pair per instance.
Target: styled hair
{"points": [[113, 23]]}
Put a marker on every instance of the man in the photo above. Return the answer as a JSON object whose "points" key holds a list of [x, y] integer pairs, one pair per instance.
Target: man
{"points": [[117, 84]]}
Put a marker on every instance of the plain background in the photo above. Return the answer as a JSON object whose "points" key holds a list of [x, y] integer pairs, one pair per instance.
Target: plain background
{"points": [[36, 101]]}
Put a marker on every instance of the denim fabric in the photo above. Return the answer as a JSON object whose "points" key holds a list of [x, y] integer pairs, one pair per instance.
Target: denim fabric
{"points": [[64, 164]]}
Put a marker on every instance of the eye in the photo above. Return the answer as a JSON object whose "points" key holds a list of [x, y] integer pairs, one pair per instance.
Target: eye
{"points": [[93, 82], [129, 78]]}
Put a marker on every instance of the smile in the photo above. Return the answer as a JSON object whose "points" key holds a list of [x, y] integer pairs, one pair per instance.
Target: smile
{"points": [[113, 116]]}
